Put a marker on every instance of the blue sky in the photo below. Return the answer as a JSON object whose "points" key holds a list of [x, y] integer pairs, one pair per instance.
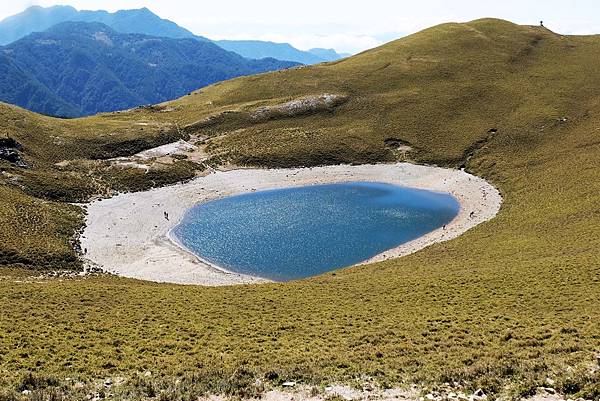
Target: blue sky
{"points": [[346, 25]]}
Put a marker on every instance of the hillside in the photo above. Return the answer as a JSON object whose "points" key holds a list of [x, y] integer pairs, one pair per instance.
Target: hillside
{"points": [[78, 68], [508, 307], [19, 86], [143, 21], [38, 19]]}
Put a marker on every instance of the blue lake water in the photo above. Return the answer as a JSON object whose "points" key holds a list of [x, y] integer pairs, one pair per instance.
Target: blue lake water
{"points": [[293, 233]]}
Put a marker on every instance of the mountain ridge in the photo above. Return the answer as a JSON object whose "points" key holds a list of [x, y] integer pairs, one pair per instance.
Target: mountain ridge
{"points": [[82, 68], [39, 19], [257, 49], [144, 21]]}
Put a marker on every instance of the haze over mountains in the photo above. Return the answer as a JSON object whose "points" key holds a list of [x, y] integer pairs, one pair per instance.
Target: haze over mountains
{"points": [[36, 19], [257, 49]]}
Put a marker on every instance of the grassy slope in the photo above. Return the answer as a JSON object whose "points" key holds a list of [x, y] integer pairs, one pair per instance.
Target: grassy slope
{"points": [[507, 304], [51, 225]]}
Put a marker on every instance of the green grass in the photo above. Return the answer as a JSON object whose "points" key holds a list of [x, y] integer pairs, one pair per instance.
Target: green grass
{"points": [[503, 307]]}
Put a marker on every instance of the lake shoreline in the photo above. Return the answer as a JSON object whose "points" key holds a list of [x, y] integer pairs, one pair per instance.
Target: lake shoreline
{"points": [[130, 234], [242, 277]]}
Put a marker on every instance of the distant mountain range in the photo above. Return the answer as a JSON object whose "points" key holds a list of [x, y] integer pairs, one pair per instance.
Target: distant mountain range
{"points": [[82, 68], [257, 49], [36, 19]]}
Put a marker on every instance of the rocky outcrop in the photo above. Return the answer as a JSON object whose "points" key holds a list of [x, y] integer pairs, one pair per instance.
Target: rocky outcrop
{"points": [[326, 102], [10, 151]]}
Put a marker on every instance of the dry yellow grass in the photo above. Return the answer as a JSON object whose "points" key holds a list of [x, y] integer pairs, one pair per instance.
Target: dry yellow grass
{"points": [[503, 307]]}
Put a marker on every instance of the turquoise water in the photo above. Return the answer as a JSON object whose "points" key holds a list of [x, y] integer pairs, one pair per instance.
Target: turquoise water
{"points": [[293, 233]]}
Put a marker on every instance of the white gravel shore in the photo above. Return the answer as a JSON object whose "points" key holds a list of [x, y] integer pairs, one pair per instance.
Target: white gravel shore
{"points": [[129, 235]]}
